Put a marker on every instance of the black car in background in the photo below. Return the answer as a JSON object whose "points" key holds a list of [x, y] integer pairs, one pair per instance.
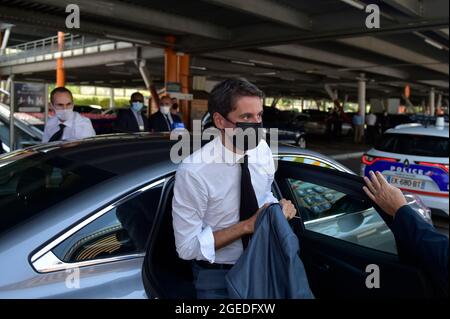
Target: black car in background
{"points": [[102, 121]]}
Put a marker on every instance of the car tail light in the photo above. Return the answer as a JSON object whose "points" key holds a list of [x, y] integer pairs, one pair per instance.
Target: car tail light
{"points": [[441, 166], [369, 160]]}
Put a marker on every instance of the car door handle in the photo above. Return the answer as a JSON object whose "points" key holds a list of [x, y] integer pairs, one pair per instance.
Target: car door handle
{"points": [[322, 267]]}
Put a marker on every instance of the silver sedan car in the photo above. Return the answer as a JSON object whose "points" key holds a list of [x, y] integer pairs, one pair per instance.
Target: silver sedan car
{"points": [[92, 219]]}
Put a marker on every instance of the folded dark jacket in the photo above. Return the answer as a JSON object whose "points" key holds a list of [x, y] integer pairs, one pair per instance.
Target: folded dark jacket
{"points": [[270, 267]]}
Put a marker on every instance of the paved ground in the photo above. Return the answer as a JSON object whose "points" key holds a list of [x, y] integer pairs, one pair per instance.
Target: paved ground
{"points": [[344, 150], [349, 154]]}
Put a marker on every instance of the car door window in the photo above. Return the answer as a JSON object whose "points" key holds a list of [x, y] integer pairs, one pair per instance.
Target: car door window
{"points": [[339, 215], [35, 183], [21, 138], [310, 160], [121, 231]]}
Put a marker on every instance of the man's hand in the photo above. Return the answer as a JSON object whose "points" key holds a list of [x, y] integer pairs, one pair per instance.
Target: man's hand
{"points": [[250, 223], [386, 196], [288, 208]]}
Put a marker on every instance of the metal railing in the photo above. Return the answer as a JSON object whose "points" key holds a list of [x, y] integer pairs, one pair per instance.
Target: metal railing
{"points": [[47, 48]]}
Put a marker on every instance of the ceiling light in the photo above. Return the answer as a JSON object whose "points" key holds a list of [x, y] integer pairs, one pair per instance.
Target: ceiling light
{"points": [[261, 62], [434, 43], [355, 4], [115, 64], [202, 68], [266, 73], [429, 41], [127, 39], [243, 63]]}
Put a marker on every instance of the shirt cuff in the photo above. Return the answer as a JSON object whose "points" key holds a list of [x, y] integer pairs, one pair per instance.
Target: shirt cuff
{"points": [[206, 240], [402, 213]]}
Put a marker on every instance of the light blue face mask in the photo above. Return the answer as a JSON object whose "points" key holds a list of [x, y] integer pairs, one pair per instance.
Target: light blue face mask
{"points": [[137, 106]]}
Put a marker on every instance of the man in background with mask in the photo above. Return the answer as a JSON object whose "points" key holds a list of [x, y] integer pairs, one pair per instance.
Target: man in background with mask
{"points": [[221, 188], [164, 120], [66, 125], [132, 120]]}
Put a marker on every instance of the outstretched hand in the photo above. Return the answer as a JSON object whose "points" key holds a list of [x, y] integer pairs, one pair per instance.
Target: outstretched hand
{"points": [[386, 196]]}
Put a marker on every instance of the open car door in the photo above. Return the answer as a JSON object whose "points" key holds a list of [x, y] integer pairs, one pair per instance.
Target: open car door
{"points": [[346, 246], [165, 275]]}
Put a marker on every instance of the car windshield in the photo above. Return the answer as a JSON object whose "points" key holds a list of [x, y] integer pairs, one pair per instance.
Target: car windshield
{"points": [[419, 145], [31, 184]]}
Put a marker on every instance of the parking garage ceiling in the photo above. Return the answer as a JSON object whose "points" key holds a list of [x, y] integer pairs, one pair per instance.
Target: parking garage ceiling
{"points": [[288, 47]]}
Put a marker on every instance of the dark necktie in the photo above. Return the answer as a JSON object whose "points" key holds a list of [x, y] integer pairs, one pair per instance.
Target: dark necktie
{"points": [[166, 117], [249, 203], [58, 135]]}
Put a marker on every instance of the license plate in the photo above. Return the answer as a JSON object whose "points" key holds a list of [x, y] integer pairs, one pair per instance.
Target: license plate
{"points": [[406, 182]]}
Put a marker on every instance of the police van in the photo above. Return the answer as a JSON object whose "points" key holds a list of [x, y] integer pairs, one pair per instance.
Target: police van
{"points": [[414, 158]]}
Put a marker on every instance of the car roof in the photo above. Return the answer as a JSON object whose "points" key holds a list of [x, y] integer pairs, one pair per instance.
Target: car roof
{"points": [[419, 129], [129, 152]]}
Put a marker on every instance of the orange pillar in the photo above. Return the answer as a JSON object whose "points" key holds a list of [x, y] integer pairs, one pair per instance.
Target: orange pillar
{"points": [[170, 63], [60, 73], [185, 61]]}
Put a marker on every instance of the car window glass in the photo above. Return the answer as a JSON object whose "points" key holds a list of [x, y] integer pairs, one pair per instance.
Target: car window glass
{"points": [[121, 231], [21, 138], [32, 184], [341, 216], [419, 145], [307, 160]]}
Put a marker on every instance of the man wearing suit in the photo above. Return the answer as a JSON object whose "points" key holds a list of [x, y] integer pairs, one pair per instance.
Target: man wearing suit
{"points": [[132, 119], [420, 242], [163, 120]]}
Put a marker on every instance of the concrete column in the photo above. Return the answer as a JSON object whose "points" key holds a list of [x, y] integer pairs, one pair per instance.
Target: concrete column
{"points": [[431, 102], [8, 83], [362, 96], [170, 63], [46, 102], [11, 115], [5, 39], [439, 104], [185, 63], [111, 98], [60, 73]]}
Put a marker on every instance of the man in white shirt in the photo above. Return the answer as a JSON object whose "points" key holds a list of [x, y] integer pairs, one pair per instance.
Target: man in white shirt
{"points": [[371, 121], [66, 125], [164, 120], [220, 189]]}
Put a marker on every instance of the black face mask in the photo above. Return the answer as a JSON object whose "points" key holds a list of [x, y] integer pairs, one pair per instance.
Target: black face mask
{"points": [[248, 135]]}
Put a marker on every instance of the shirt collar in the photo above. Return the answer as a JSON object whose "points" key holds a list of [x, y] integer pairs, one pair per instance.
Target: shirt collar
{"points": [[224, 155], [68, 123]]}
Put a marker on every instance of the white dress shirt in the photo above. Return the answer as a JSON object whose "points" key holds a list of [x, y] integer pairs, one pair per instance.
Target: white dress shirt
{"points": [[207, 198], [139, 120], [77, 127], [371, 119]]}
